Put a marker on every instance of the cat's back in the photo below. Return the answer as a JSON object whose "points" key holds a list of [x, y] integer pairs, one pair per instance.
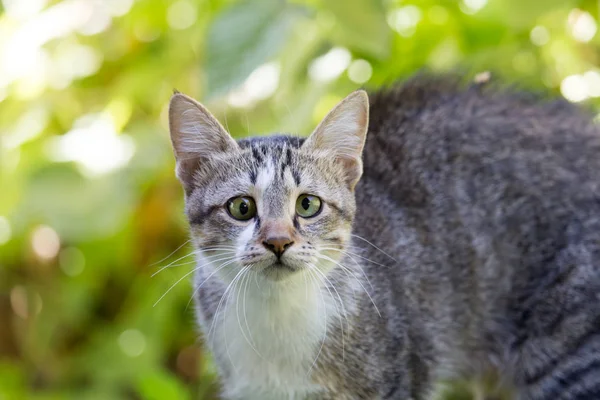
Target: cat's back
{"points": [[486, 201], [489, 201], [432, 128], [483, 157], [459, 162]]}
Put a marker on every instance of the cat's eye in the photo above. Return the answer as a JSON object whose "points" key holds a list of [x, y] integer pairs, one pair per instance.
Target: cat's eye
{"points": [[241, 208], [308, 205]]}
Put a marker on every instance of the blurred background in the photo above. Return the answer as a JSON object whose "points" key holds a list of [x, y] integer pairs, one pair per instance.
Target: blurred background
{"points": [[89, 205]]}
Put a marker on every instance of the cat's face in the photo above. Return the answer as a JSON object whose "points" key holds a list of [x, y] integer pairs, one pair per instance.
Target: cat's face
{"points": [[278, 206]]}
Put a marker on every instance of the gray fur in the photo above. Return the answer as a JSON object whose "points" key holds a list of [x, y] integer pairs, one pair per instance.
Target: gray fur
{"points": [[476, 233]]}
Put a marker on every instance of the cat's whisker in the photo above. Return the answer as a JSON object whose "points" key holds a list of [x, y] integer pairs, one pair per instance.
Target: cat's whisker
{"points": [[219, 268], [375, 247], [325, 311], [171, 263], [173, 252], [181, 258], [350, 274], [354, 254], [305, 285], [250, 272], [222, 297], [225, 333], [292, 119], [207, 258], [231, 287], [220, 247], [247, 123], [361, 269], [215, 318], [176, 265], [324, 257], [180, 279], [343, 309], [226, 122], [245, 272]]}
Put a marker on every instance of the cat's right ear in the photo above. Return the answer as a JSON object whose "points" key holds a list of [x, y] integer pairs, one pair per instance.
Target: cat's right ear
{"points": [[196, 136]]}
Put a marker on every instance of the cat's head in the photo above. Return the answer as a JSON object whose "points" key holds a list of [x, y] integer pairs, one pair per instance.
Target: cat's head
{"points": [[275, 205]]}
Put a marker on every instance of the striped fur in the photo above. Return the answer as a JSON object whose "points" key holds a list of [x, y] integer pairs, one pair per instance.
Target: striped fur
{"points": [[469, 249]]}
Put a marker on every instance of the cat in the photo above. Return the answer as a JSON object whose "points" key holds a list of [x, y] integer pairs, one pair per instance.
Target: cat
{"points": [[439, 231]]}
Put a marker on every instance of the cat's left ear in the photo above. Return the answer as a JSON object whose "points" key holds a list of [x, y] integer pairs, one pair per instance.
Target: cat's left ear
{"points": [[342, 133]]}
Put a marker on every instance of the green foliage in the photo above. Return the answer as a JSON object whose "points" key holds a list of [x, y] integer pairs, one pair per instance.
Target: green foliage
{"points": [[88, 199], [232, 54], [365, 31]]}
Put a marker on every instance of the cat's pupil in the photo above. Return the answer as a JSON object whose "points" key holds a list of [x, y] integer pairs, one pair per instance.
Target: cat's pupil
{"points": [[243, 208], [305, 203]]}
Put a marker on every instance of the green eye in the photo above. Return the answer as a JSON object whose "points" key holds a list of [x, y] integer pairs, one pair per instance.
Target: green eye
{"points": [[241, 208], [308, 205]]}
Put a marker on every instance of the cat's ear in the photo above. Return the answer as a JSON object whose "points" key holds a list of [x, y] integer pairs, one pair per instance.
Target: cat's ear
{"points": [[196, 136], [342, 133]]}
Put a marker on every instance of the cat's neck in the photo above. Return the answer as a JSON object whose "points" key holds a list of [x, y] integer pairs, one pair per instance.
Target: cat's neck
{"points": [[281, 327], [270, 334]]}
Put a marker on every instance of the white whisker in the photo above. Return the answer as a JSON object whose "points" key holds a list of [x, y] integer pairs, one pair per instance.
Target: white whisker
{"points": [[232, 285], [324, 257], [237, 311], [343, 309], [325, 311], [365, 240], [244, 305], [361, 269], [186, 256], [354, 254], [221, 301], [227, 261], [173, 252], [179, 280]]}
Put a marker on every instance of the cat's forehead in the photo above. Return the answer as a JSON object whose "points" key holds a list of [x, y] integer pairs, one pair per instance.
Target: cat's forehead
{"points": [[272, 158], [271, 142], [270, 149], [270, 169]]}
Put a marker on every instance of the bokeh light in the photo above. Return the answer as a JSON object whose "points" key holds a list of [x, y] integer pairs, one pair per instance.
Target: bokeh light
{"points": [[360, 71], [329, 66], [132, 342], [45, 242]]}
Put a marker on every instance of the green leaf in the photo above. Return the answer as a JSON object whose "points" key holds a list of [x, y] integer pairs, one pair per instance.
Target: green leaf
{"points": [[244, 37], [361, 26], [161, 385], [524, 14]]}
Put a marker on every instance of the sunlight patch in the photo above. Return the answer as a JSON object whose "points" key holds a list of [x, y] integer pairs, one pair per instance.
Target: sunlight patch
{"points": [[94, 145]]}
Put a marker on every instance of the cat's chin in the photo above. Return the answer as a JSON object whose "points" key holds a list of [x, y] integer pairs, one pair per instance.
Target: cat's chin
{"points": [[279, 271]]}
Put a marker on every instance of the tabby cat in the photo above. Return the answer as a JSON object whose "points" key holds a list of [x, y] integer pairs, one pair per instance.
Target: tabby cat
{"points": [[443, 232]]}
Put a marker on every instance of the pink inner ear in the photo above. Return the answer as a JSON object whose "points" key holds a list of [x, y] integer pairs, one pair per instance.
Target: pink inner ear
{"points": [[343, 130], [352, 170]]}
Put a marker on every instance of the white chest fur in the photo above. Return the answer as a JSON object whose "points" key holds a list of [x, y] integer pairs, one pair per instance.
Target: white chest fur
{"points": [[266, 339]]}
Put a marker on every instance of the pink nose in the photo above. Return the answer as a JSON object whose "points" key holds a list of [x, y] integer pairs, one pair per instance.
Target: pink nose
{"points": [[278, 245]]}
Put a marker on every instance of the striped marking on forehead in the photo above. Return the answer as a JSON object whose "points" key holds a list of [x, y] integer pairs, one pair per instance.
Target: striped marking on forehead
{"points": [[265, 175], [271, 191], [272, 160]]}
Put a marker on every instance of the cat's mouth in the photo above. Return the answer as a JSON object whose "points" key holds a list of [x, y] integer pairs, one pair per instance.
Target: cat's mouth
{"points": [[279, 271]]}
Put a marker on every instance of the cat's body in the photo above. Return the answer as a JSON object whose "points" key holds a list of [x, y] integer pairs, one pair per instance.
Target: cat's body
{"points": [[474, 249]]}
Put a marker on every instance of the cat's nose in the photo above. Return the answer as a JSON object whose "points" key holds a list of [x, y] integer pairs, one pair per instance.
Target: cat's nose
{"points": [[278, 245]]}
